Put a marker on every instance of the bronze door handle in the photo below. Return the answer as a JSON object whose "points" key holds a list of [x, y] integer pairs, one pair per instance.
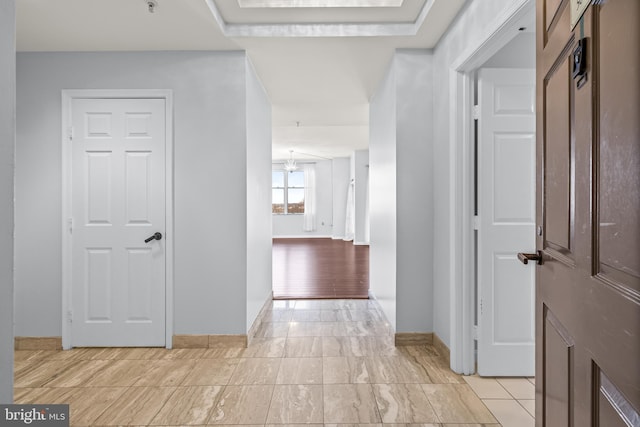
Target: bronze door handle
{"points": [[525, 258]]}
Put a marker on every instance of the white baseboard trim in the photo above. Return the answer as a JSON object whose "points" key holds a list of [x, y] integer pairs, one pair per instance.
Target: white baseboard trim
{"points": [[302, 236], [361, 243]]}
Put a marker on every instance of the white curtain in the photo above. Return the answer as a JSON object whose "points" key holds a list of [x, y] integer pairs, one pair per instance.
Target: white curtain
{"points": [[309, 222], [350, 215]]}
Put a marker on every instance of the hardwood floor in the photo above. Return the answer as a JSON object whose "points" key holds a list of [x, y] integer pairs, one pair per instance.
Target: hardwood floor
{"points": [[319, 268]]}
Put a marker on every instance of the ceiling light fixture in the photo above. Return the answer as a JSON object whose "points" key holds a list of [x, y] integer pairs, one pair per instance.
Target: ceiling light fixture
{"points": [[290, 165], [318, 3]]}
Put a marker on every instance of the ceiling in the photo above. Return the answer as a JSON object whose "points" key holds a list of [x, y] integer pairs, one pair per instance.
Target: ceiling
{"points": [[320, 66]]}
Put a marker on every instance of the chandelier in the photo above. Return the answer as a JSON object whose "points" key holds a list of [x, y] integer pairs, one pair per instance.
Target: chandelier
{"points": [[290, 165]]}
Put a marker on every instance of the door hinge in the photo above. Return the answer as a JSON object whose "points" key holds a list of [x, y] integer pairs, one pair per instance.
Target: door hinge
{"points": [[474, 332], [70, 225], [476, 222], [70, 133], [70, 316], [476, 112], [481, 310]]}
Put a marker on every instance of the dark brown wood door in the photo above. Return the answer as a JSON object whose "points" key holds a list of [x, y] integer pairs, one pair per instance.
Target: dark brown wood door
{"points": [[588, 213]]}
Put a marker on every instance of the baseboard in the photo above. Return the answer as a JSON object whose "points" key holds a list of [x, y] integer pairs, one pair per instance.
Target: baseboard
{"points": [[37, 343], [259, 319], [441, 348], [302, 236], [209, 341], [361, 243], [413, 338]]}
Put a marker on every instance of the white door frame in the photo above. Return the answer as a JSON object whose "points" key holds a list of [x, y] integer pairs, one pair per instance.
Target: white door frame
{"points": [[67, 98], [461, 85]]}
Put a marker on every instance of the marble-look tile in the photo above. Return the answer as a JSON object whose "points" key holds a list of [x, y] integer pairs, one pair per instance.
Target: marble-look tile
{"points": [[188, 406], [120, 373], [350, 403], [136, 406], [345, 370], [361, 425], [403, 403], [83, 371], [457, 403], [211, 372], [392, 370], [300, 370], [510, 413], [165, 373], [41, 373], [438, 371], [519, 388], [247, 404], [31, 355], [358, 346], [223, 353], [296, 404], [284, 315], [283, 304], [88, 403], [184, 353], [311, 304], [303, 347], [272, 330], [334, 315], [529, 405], [415, 351], [255, 371], [265, 347], [306, 316], [532, 380], [365, 328], [43, 394], [486, 388], [316, 329]]}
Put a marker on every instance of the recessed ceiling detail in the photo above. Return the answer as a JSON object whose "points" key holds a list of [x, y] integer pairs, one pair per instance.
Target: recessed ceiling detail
{"points": [[318, 3], [319, 18]]}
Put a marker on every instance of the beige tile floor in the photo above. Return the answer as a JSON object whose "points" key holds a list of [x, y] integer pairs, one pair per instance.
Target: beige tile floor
{"points": [[313, 362]]}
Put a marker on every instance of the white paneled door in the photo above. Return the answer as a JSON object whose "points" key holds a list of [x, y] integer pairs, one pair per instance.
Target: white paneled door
{"points": [[118, 198], [506, 223]]}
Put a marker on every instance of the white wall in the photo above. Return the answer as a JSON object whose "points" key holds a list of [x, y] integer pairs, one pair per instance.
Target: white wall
{"points": [[518, 53], [471, 25], [291, 225], [259, 245], [7, 145], [382, 161], [400, 154], [360, 174], [210, 182], [341, 176]]}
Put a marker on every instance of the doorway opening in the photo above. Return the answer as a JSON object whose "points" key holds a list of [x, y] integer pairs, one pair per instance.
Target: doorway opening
{"points": [[472, 278]]}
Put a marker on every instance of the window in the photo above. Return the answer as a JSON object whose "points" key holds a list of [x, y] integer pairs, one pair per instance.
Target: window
{"points": [[287, 193]]}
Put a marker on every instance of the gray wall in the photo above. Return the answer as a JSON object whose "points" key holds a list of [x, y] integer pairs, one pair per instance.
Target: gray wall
{"points": [[360, 174], [7, 145], [210, 180], [382, 161], [340, 179], [414, 159], [471, 25], [401, 194], [258, 196]]}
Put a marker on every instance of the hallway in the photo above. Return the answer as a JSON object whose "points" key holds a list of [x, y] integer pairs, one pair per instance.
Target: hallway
{"points": [[312, 362]]}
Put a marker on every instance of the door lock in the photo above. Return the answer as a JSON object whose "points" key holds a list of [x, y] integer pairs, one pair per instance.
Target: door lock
{"points": [[156, 236]]}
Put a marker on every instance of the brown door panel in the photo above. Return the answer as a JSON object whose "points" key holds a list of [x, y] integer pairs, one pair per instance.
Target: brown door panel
{"points": [[588, 202]]}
